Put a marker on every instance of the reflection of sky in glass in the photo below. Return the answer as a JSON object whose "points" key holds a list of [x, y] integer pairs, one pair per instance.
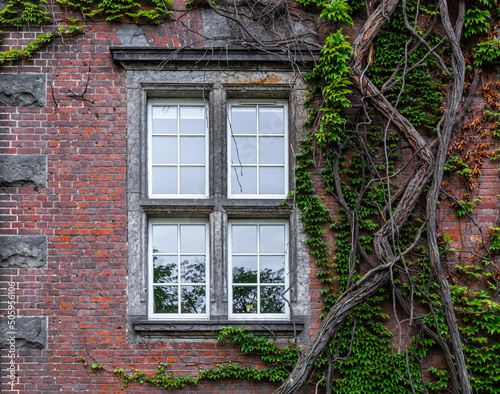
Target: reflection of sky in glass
{"points": [[244, 239], [164, 120], [271, 120], [164, 238], [243, 120], [272, 239], [192, 238]]}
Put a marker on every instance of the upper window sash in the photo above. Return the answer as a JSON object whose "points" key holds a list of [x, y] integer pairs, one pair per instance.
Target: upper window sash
{"points": [[178, 149], [257, 148]]}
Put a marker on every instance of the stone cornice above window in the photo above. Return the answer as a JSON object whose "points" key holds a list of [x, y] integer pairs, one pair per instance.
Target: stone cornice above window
{"points": [[137, 58]]}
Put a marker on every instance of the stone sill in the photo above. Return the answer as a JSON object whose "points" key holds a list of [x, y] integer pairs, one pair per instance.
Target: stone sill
{"points": [[210, 328]]}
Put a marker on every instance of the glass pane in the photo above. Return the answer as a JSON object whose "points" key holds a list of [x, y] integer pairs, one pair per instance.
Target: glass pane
{"points": [[165, 269], [270, 299], [165, 120], [164, 150], [192, 180], [272, 269], [192, 120], [243, 120], [271, 180], [193, 269], [272, 239], [244, 239], [244, 150], [165, 299], [245, 299], [243, 180], [271, 150], [245, 269], [192, 150], [271, 120], [193, 238], [193, 299], [164, 238], [164, 180]]}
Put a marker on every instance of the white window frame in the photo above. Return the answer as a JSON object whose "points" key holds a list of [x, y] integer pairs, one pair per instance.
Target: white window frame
{"points": [[264, 103], [178, 316], [286, 285], [177, 102]]}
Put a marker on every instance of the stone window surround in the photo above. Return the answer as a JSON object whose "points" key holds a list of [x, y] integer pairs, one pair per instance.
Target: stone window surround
{"points": [[215, 83]]}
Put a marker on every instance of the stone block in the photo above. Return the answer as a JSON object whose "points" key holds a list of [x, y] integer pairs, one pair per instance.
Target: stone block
{"points": [[23, 251], [30, 332], [23, 90], [131, 35], [23, 170]]}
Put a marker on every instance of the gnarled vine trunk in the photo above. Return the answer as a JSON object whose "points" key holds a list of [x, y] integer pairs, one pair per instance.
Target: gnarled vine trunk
{"points": [[428, 166]]}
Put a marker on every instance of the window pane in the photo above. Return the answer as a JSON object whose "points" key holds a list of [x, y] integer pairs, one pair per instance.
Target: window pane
{"points": [[165, 120], [193, 238], [245, 299], [245, 269], [270, 299], [192, 120], [164, 180], [272, 239], [271, 150], [243, 180], [244, 150], [165, 239], [164, 150], [192, 180], [243, 120], [165, 269], [193, 269], [272, 269], [192, 150], [193, 299], [165, 299], [244, 239], [271, 120], [271, 180]]}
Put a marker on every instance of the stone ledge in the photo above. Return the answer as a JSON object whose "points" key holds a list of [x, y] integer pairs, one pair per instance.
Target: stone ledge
{"points": [[209, 328], [23, 251]]}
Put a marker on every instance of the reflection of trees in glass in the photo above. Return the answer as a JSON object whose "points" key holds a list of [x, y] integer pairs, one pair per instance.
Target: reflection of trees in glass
{"points": [[245, 299], [242, 275], [270, 299], [193, 299], [165, 299]]}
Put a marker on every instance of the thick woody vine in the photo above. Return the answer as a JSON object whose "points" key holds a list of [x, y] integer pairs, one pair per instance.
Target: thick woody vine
{"points": [[408, 145]]}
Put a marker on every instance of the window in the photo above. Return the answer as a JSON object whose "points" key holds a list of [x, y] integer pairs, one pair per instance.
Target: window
{"points": [[258, 154], [178, 268], [258, 269], [209, 136], [179, 149]]}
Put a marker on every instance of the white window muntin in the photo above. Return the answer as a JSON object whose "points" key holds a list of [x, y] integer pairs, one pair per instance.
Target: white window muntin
{"points": [[248, 155], [196, 247], [255, 250], [171, 159]]}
